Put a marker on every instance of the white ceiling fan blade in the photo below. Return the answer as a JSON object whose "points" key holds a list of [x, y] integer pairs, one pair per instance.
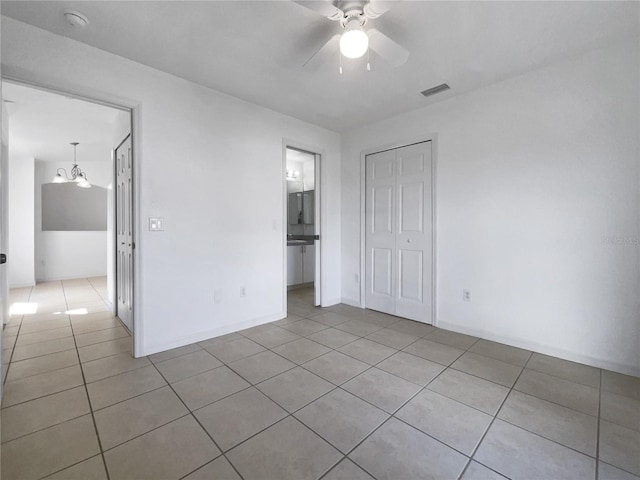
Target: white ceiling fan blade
{"points": [[393, 53], [325, 52], [375, 8], [324, 7]]}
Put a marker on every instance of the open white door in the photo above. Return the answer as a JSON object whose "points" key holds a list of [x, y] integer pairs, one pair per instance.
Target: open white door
{"points": [[124, 232], [4, 189], [317, 233]]}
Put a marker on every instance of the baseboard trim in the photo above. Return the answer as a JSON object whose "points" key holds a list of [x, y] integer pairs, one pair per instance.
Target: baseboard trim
{"points": [[22, 285], [330, 302], [73, 277], [208, 334], [544, 349], [351, 302]]}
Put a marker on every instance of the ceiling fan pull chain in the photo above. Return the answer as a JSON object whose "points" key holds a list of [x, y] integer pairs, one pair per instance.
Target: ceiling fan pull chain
{"points": [[340, 55], [368, 61]]}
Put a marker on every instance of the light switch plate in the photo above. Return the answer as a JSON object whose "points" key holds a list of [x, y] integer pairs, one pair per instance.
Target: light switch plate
{"points": [[156, 224]]}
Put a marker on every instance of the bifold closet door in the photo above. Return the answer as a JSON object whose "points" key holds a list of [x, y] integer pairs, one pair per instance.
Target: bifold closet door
{"points": [[399, 232], [380, 238]]}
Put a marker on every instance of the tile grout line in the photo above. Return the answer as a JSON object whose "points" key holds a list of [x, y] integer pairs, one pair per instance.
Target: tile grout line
{"points": [[562, 378], [97, 292], [69, 366], [78, 416], [300, 408], [495, 416], [4, 380], [86, 391], [598, 427], [68, 349], [446, 367], [198, 422], [522, 367], [392, 415]]}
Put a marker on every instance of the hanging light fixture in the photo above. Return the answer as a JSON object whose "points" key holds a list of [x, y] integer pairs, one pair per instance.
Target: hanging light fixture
{"points": [[354, 42], [77, 175]]}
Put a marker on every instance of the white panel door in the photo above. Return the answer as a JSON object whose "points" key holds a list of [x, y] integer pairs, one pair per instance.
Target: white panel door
{"points": [[380, 236], [414, 232], [4, 204], [124, 235], [398, 240], [317, 184]]}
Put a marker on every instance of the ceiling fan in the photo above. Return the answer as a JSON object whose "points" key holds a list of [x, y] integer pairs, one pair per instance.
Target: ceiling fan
{"points": [[354, 41]]}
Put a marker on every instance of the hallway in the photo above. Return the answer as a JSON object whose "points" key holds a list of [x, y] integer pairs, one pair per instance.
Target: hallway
{"points": [[332, 393]]}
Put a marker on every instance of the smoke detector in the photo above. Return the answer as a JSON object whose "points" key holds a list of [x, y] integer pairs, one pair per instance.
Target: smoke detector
{"points": [[76, 19]]}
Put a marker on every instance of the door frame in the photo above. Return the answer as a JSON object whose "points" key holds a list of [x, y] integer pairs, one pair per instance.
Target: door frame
{"points": [[134, 110], [433, 138], [320, 154]]}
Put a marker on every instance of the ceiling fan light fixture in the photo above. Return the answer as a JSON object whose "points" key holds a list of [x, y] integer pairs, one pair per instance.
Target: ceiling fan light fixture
{"points": [[354, 42]]}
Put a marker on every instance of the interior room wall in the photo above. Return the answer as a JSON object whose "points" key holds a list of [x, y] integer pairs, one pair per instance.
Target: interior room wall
{"points": [[21, 249], [537, 207], [191, 145], [61, 255]]}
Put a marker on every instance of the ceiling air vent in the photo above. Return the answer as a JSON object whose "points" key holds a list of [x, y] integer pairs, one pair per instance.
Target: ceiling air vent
{"points": [[432, 91]]}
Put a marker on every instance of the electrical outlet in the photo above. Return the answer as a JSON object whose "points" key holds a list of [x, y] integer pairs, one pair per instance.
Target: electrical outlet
{"points": [[243, 292], [356, 278], [466, 295]]}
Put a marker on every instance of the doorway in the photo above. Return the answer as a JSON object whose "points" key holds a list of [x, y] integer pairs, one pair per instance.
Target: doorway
{"points": [[399, 231], [62, 237], [302, 175]]}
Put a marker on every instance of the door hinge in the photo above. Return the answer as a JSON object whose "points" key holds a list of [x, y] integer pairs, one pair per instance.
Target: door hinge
{"points": [[3, 258]]}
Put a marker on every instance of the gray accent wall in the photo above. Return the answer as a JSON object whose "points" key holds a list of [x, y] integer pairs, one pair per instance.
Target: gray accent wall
{"points": [[67, 207]]}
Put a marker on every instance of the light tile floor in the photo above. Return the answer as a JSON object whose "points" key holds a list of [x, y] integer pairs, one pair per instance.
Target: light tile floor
{"points": [[333, 393]]}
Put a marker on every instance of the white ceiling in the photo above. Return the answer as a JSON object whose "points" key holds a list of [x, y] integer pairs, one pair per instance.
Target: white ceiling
{"points": [[42, 124], [254, 50]]}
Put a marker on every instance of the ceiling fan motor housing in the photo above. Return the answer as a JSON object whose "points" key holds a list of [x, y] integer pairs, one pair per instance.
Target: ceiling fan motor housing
{"points": [[353, 14]]}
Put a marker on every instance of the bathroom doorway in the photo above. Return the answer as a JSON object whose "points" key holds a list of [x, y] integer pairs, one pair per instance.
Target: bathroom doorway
{"points": [[303, 229]]}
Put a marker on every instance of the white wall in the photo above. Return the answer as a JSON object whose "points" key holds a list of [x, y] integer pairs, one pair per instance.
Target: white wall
{"points": [[61, 255], [535, 174], [21, 250], [191, 144]]}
